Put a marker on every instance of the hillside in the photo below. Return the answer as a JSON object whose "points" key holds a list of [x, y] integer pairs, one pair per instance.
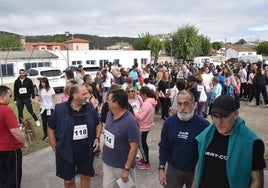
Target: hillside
{"points": [[96, 42]]}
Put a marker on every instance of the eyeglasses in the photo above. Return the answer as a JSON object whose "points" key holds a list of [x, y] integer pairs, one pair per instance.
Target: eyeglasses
{"points": [[130, 91]]}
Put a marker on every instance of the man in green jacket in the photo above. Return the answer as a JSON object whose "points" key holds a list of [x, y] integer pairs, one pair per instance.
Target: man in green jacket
{"points": [[230, 154]]}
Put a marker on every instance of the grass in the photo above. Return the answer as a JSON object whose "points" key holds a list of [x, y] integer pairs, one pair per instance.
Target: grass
{"points": [[37, 143]]}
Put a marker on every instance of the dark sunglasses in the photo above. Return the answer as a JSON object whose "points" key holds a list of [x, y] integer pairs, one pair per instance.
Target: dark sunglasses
{"points": [[130, 91]]}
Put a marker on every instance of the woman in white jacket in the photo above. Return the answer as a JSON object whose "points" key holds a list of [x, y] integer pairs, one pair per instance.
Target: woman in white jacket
{"points": [[145, 118]]}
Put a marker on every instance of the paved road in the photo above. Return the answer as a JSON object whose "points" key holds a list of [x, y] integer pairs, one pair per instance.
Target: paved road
{"points": [[39, 167]]}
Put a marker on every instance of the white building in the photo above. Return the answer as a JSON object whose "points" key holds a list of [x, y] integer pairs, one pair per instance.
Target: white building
{"points": [[97, 58], [12, 61]]}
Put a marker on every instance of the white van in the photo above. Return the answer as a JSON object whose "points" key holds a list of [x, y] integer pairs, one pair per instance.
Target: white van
{"points": [[199, 61]]}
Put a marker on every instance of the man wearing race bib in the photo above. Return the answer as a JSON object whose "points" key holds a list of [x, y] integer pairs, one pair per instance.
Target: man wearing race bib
{"points": [[74, 132], [121, 138], [23, 92]]}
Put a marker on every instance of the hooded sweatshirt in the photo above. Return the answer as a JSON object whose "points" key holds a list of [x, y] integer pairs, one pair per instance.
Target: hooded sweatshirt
{"points": [[145, 116]]}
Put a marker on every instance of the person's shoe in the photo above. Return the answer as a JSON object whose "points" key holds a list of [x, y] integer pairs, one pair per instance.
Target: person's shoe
{"points": [[140, 162], [258, 106], [144, 166], [37, 123], [96, 173], [251, 103], [44, 138], [21, 126]]}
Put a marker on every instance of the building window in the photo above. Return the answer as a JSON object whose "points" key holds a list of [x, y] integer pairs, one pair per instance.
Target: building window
{"points": [[76, 62], [7, 70], [143, 61], [91, 62], [36, 64]]}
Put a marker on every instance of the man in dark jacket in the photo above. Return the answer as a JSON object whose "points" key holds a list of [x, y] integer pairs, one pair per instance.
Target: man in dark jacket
{"points": [[23, 95], [74, 133], [260, 86]]}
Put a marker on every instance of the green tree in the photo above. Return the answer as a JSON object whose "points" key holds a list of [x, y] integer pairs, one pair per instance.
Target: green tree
{"points": [[262, 48], [186, 43], [205, 45], [241, 41], [143, 42], [156, 46], [216, 45], [149, 42], [9, 42]]}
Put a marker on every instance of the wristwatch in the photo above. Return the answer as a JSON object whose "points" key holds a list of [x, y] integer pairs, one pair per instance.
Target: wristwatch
{"points": [[126, 168], [161, 167]]}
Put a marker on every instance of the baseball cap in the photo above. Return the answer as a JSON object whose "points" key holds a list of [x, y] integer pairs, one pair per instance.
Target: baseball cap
{"points": [[224, 105]]}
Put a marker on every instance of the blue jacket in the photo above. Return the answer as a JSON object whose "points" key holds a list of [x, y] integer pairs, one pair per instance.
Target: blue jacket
{"points": [[239, 153], [63, 120]]}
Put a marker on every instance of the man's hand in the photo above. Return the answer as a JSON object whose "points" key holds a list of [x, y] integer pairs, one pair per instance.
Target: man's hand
{"points": [[124, 175], [96, 144], [162, 178], [26, 145]]}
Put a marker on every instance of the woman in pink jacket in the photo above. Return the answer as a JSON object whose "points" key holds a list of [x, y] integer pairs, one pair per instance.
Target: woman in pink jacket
{"points": [[145, 118]]}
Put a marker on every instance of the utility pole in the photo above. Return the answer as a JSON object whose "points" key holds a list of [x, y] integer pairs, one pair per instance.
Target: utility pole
{"points": [[67, 33]]}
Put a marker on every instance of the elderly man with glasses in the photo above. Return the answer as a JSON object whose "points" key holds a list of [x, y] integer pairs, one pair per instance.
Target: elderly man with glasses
{"points": [[230, 154]]}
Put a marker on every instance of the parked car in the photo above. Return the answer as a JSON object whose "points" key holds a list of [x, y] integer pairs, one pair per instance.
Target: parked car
{"points": [[91, 70], [72, 68], [199, 61], [215, 61], [55, 77]]}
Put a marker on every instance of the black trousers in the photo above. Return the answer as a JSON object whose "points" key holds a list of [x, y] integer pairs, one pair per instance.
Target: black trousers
{"points": [[261, 90], [28, 104], [144, 146], [10, 168], [45, 118], [165, 105]]}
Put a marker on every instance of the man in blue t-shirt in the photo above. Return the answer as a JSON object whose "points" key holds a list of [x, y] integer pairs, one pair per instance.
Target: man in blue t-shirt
{"points": [[178, 146], [121, 141]]}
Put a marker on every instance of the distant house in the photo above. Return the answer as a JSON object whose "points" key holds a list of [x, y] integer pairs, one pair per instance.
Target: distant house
{"points": [[120, 46], [236, 51], [77, 44], [73, 44]]}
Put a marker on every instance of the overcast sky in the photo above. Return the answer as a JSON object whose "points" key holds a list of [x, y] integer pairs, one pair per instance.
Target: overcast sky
{"points": [[228, 20]]}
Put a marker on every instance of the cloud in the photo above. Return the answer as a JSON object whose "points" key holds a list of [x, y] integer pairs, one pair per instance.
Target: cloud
{"points": [[217, 20]]}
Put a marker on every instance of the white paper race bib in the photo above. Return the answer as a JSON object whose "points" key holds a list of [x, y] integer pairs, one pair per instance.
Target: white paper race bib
{"points": [[200, 88], [80, 132], [48, 112], [108, 139], [23, 90]]}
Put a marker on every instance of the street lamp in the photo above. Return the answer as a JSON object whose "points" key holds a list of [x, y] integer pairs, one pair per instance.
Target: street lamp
{"points": [[67, 33], [170, 40], [171, 51]]}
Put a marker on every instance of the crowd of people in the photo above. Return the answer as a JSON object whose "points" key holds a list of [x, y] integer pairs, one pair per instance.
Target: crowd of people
{"points": [[121, 104]]}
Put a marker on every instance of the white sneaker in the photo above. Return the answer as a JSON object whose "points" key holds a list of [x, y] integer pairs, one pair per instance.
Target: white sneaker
{"points": [[37, 123]]}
